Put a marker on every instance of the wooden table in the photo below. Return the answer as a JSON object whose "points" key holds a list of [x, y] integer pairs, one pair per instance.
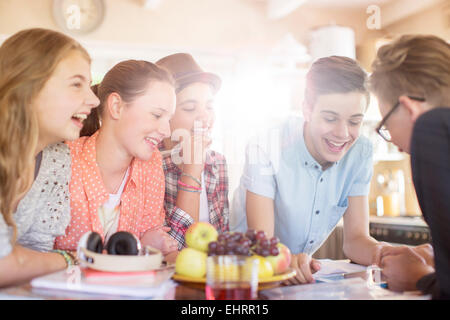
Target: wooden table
{"points": [[185, 291], [182, 292]]}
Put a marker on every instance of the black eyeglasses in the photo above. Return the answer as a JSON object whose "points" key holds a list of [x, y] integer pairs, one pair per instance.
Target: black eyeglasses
{"points": [[381, 129]]}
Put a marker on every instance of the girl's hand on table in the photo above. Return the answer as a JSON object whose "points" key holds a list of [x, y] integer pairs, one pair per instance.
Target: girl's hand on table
{"points": [[171, 257], [159, 238]]}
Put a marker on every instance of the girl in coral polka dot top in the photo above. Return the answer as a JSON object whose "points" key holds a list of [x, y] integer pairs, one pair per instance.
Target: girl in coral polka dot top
{"points": [[117, 179]]}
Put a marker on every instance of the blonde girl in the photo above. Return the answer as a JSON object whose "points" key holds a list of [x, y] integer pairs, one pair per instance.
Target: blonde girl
{"points": [[44, 96]]}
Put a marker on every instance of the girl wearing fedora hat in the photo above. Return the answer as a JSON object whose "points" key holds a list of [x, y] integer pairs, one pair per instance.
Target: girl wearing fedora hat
{"points": [[117, 177], [196, 177], [310, 172]]}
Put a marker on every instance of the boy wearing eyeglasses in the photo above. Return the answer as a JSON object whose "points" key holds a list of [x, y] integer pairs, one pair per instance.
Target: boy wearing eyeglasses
{"points": [[411, 79]]}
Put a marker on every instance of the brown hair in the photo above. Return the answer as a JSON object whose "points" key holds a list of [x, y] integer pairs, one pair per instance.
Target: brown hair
{"points": [[416, 65], [130, 79], [27, 61], [334, 74]]}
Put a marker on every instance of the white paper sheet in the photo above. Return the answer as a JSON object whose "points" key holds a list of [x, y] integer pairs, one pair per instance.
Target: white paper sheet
{"points": [[333, 267]]}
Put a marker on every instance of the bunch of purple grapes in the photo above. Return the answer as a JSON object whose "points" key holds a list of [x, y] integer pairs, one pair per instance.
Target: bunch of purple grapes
{"points": [[246, 244], [230, 243], [261, 245]]}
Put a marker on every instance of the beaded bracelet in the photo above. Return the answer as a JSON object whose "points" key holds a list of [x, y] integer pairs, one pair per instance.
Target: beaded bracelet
{"points": [[74, 258], [193, 178], [66, 256], [181, 183], [184, 189]]}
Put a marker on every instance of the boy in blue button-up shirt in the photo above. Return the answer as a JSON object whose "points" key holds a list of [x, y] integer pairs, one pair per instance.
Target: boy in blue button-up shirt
{"points": [[305, 175]]}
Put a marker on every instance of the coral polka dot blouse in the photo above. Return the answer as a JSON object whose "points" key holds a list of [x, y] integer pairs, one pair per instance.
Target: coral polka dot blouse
{"points": [[141, 203]]}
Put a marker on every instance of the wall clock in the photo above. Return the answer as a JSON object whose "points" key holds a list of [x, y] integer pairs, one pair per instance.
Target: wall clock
{"points": [[78, 17]]}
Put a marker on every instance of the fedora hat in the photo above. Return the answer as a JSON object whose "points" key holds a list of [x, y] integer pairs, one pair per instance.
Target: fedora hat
{"points": [[185, 70]]}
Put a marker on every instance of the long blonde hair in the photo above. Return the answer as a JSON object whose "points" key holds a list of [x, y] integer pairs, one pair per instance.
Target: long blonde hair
{"points": [[27, 61]]}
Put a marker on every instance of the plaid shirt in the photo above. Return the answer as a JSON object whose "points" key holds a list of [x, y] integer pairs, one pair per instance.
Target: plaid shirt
{"points": [[216, 183]]}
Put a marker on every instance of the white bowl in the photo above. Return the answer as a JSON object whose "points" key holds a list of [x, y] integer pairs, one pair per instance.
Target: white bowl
{"points": [[121, 263]]}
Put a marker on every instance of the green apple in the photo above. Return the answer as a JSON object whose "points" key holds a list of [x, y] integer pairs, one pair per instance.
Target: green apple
{"points": [[282, 261], [199, 235], [191, 263]]}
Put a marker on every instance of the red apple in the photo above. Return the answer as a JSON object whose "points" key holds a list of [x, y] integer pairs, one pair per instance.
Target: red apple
{"points": [[282, 261], [199, 235]]}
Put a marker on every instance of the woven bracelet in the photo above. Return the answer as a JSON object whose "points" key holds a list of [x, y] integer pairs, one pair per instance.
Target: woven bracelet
{"points": [[193, 178], [66, 256], [181, 183], [184, 189]]}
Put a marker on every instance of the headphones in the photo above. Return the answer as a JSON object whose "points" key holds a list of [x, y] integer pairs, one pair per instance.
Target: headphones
{"points": [[123, 253], [120, 243]]}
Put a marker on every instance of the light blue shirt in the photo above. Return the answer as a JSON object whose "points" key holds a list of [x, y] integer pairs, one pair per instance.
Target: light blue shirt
{"points": [[309, 201]]}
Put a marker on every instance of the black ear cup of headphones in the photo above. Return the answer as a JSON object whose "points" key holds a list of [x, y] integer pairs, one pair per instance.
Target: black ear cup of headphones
{"points": [[120, 243], [91, 241], [94, 242], [123, 243]]}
